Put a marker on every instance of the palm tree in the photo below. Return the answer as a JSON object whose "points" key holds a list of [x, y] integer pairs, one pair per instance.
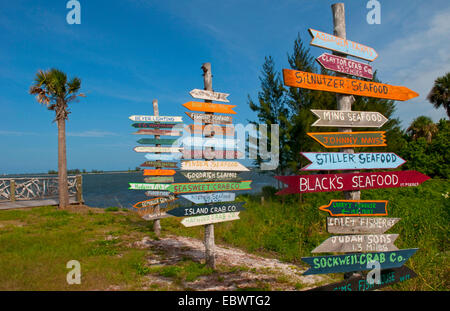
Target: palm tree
{"points": [[439, 95], [422, 127], [54, 91]]}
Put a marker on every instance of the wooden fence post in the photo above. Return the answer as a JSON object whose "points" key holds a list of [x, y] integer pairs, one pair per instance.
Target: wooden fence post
{"points": [[79, 187], [12, 190]]}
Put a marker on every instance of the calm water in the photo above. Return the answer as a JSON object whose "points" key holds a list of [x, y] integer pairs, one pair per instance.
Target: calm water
{"points": [[111, 189]]}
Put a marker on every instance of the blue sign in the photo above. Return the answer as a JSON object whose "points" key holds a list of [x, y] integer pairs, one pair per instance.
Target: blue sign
{"points": [[351, 161], [357, 261], [213, 197], [163, 157]]}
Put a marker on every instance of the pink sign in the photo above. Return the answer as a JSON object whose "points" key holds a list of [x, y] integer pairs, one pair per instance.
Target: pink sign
{"points": [[345, 65]]}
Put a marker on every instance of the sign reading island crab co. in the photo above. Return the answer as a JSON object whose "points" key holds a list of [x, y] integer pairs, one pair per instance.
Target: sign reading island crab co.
{"points": [[209, 209], [313, 81], [357, 262], [349, 139], [350, 181]]}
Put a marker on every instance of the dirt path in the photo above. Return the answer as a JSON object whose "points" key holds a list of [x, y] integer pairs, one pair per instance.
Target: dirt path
{"points": [[236, 269]]}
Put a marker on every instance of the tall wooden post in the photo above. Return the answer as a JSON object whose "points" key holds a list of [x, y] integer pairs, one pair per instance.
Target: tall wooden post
{"points": [[344, 102], [12, 190], [156, 223], [209, 229], [79, 187]]}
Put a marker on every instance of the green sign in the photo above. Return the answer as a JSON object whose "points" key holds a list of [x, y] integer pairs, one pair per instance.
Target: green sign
{"points": [[209, 186]]}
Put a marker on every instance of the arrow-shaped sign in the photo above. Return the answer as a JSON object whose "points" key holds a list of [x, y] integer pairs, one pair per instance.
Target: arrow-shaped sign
{"points": [[210, 118], [345, 65], [357, 262], [210, 176], [159, 179], [351, 161], [208, 107], [200, 142], [208, 209], [340, 118], [158, 164], [209, 95], [349, 139], [210, 129], [157, 141], [172, 132], [158, 193], [173, 119], [153, 125], [313, 81], [146, 186], [357, 243], [157, 149], [360, 225], [213, 197], [209, 186], [359, 283], [209, 219], [164, 157], [330, 42], [159, 172], [213, 166], [350, 181], [211, 154], [155, 201], [356, 208]]}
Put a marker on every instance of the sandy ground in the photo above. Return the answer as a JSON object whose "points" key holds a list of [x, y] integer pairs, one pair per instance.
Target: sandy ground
{"points": [[236, 268]]}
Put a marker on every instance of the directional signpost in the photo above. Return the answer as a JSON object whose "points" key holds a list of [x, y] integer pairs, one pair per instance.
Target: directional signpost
{"points": [[159, 172], [211, 154], [313, 81], [351, 161], [153, 125], [209, 186], [209, 219], [158, 164], [157, 149], [164, 157], [172, 132], [345, 65], [213, 166], [208, 107], [208, 209], [159, 179], [340, 118], [210, 176], [155, 201], [154, 141], [170, 119], [356, 208], [214, 197], [209, 95], [349, 139], [358, 243], [360, 225], [210, 118]]}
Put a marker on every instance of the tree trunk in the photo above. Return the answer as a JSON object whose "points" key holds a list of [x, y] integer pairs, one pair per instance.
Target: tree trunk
{"points": [[62, 165]]}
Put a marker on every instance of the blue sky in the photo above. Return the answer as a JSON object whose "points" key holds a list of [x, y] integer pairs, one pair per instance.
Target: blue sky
{"points": [[129, 52]]}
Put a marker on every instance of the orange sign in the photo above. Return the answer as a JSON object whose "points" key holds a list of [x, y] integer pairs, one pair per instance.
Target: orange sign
{"points": [[159, 172], [313, 81], [209, 129], [350, 139], [208, 107]]}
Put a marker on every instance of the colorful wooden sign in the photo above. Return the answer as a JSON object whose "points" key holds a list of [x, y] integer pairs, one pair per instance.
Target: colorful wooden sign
{"points": [[210, 176], [213, 166], [147, 186], [357, 262], [360, 225], [172, 132], [313, 81], [157, 141], [360, 284], [345, 65], [149, 214], [209, 95], [209, 186], [210, 130], [201, 142], [351, 161], [159, 172], [156, 193], [210, 118], [340, 118], [209, 219], [350, 181], [213, 197], [349, 139], [357, 243], [158, 164], [159, 179], [164, 157], [157, 149], [211, 154], [155, 201], [337, 44], [208, 107], [171, 119], [208, 209], [153, 125], [356, 208]]}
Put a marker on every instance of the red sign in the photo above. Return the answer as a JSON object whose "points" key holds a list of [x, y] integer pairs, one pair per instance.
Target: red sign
{"points": [[345, 65], [350, 182]]}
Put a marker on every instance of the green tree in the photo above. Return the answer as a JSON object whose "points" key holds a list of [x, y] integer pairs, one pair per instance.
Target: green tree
{"points": [[53, 90], [439, 95], [422, 127]]}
